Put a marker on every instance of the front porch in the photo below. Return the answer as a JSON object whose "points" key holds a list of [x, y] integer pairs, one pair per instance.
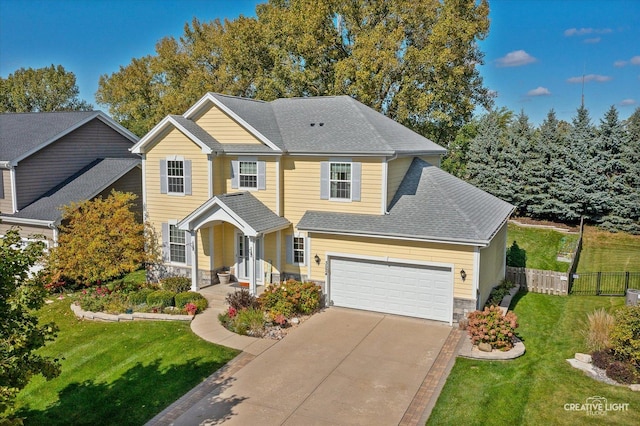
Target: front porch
{"points": [[230, 231]]}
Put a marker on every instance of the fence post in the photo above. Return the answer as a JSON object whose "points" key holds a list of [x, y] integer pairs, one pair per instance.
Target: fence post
{"points": [[626, 282], [598, 283]]}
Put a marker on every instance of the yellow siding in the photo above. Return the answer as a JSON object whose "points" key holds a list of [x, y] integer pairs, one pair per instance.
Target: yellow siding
{"points": [[223, 128], [267, 196], [492, 264], [460, 256], [165, 207], [302, 188], [396, 171], [6, 206], [29, 231]]}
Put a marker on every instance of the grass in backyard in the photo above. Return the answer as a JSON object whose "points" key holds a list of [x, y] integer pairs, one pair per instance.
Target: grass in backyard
{"points": [[609, 252], [542, 246], [116, 373], [533, 389]]}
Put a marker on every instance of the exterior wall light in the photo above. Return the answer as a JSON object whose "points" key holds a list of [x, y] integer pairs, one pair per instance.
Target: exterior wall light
{"points": [[317, 259], [463, 274]]}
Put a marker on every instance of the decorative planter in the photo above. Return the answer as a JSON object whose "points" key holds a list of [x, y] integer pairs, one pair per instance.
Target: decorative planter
{"points": [[224, 277]]}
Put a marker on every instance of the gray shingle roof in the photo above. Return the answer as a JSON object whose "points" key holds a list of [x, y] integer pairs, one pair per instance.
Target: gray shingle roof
{"points": [[253, 211], [328, 125], [198, 132], [84, 185], [21, 133], [430, 204]]}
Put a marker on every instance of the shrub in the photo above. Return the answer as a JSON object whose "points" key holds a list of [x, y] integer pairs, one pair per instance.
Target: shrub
{"points": [[490, 326], [139, 297], [197, 299], [516, 256], [290, 298], [242, 299], [176, 284], [94, 299], [622, 372], [602, 358], [499, 292], [599, 326], [161, 298], [625, 337]]}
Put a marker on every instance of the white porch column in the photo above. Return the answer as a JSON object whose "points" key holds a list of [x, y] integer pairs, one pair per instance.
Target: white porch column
{"points": [[194, 260], [253, 289]]}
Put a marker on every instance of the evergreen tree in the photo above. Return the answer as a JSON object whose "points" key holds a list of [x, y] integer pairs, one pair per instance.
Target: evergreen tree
{"points": [[519, 157], [551, 143]]}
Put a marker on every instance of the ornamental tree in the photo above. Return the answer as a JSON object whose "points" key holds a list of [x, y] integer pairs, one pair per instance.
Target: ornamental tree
{"points": [[20, 333], [100, 239]]}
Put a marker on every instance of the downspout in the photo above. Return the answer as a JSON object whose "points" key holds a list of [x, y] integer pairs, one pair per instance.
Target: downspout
{"points": [[385, 183], [14, 193]]}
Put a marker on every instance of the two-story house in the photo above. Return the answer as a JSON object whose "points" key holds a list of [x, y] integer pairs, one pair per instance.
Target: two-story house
{"points": [[323, 189], [50, 159]]}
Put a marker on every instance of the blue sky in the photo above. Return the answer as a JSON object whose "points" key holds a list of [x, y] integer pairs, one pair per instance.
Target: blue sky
{"points": [[535, 56]]}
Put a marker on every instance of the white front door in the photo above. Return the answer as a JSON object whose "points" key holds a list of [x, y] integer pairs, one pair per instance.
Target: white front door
{"points": [[242, 257]]}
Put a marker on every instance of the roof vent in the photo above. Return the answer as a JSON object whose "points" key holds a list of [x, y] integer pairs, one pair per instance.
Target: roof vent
{"points": [[313, 124], [321, 124]]}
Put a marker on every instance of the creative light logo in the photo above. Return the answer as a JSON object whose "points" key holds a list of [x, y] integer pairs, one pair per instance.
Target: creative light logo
{"points": [[596, 406]]}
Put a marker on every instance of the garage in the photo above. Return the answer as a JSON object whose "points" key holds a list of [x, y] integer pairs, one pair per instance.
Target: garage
{"points": [[396, 287]]}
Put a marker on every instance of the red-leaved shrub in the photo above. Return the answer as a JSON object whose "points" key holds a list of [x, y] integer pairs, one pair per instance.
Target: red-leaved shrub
{"points": [[490, 326]]}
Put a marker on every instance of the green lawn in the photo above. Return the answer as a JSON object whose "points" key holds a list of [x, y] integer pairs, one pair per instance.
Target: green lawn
{"points": [[541, 245], [116, 373], [533, 389], [608, 252]]}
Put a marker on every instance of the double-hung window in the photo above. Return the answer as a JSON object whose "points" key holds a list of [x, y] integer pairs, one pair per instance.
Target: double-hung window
{"points": [[177, 245], [248, 174], [340, 180], [175, 176], [298, 250]]}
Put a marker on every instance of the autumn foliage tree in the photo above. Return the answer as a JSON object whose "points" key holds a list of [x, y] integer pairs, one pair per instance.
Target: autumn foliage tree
{"points": [[20, 333], [99, 239], [414, 61]]}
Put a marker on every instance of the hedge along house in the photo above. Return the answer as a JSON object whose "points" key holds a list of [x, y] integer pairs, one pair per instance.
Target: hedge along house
{"points": [[50, 159], [322, 189]]}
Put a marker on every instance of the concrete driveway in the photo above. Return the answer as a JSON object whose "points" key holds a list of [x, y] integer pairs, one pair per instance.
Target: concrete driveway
{"points": [[339, 367]]}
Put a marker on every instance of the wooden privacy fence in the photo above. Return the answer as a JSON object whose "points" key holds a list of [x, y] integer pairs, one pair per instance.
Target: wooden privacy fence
{"points": [[539, 281]]}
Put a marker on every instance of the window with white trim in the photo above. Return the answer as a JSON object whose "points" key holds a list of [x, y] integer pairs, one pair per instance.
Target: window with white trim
{"points": [[340, 180], [248, 174], [177, 245], [298, 250], [175, 176]]}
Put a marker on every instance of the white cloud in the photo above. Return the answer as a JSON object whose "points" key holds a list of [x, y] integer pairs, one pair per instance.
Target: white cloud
{"points": [[592, 40], [539, 91], [589, 77], [635, 60], [516, 58], [627, 102], [619, 64], [584, 31]]}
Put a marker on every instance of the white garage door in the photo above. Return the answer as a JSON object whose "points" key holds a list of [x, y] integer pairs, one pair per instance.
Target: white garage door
{"points": [[394, 288]]}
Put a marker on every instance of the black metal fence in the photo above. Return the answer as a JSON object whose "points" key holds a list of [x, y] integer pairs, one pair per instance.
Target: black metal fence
{"points": [[604, 283]]}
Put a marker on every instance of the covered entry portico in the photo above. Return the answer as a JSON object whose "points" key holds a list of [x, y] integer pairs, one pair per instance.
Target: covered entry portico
{"points": [[248, 215]]}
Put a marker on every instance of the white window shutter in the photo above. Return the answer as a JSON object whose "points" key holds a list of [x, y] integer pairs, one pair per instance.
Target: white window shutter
{"points": [[234, 174], [187, 249], [289, 248], [356, 175], [166, 251], [187, 177], [306, 250], [262, 174], [163, 176], [324, 180]]}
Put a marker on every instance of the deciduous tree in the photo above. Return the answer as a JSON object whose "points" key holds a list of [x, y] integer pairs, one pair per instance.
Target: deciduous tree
{"points": [[99, 239], [20, 333], [43, 89]]}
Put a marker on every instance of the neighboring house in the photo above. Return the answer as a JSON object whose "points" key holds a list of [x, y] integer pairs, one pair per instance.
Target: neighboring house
{"points": [[322, 189], [50, 159]]}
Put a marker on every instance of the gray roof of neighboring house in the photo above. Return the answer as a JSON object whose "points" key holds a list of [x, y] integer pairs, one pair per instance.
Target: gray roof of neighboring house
{"points": [[84, 185], [23, 133], [327, 125], [430, 204], [253, 211]]}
